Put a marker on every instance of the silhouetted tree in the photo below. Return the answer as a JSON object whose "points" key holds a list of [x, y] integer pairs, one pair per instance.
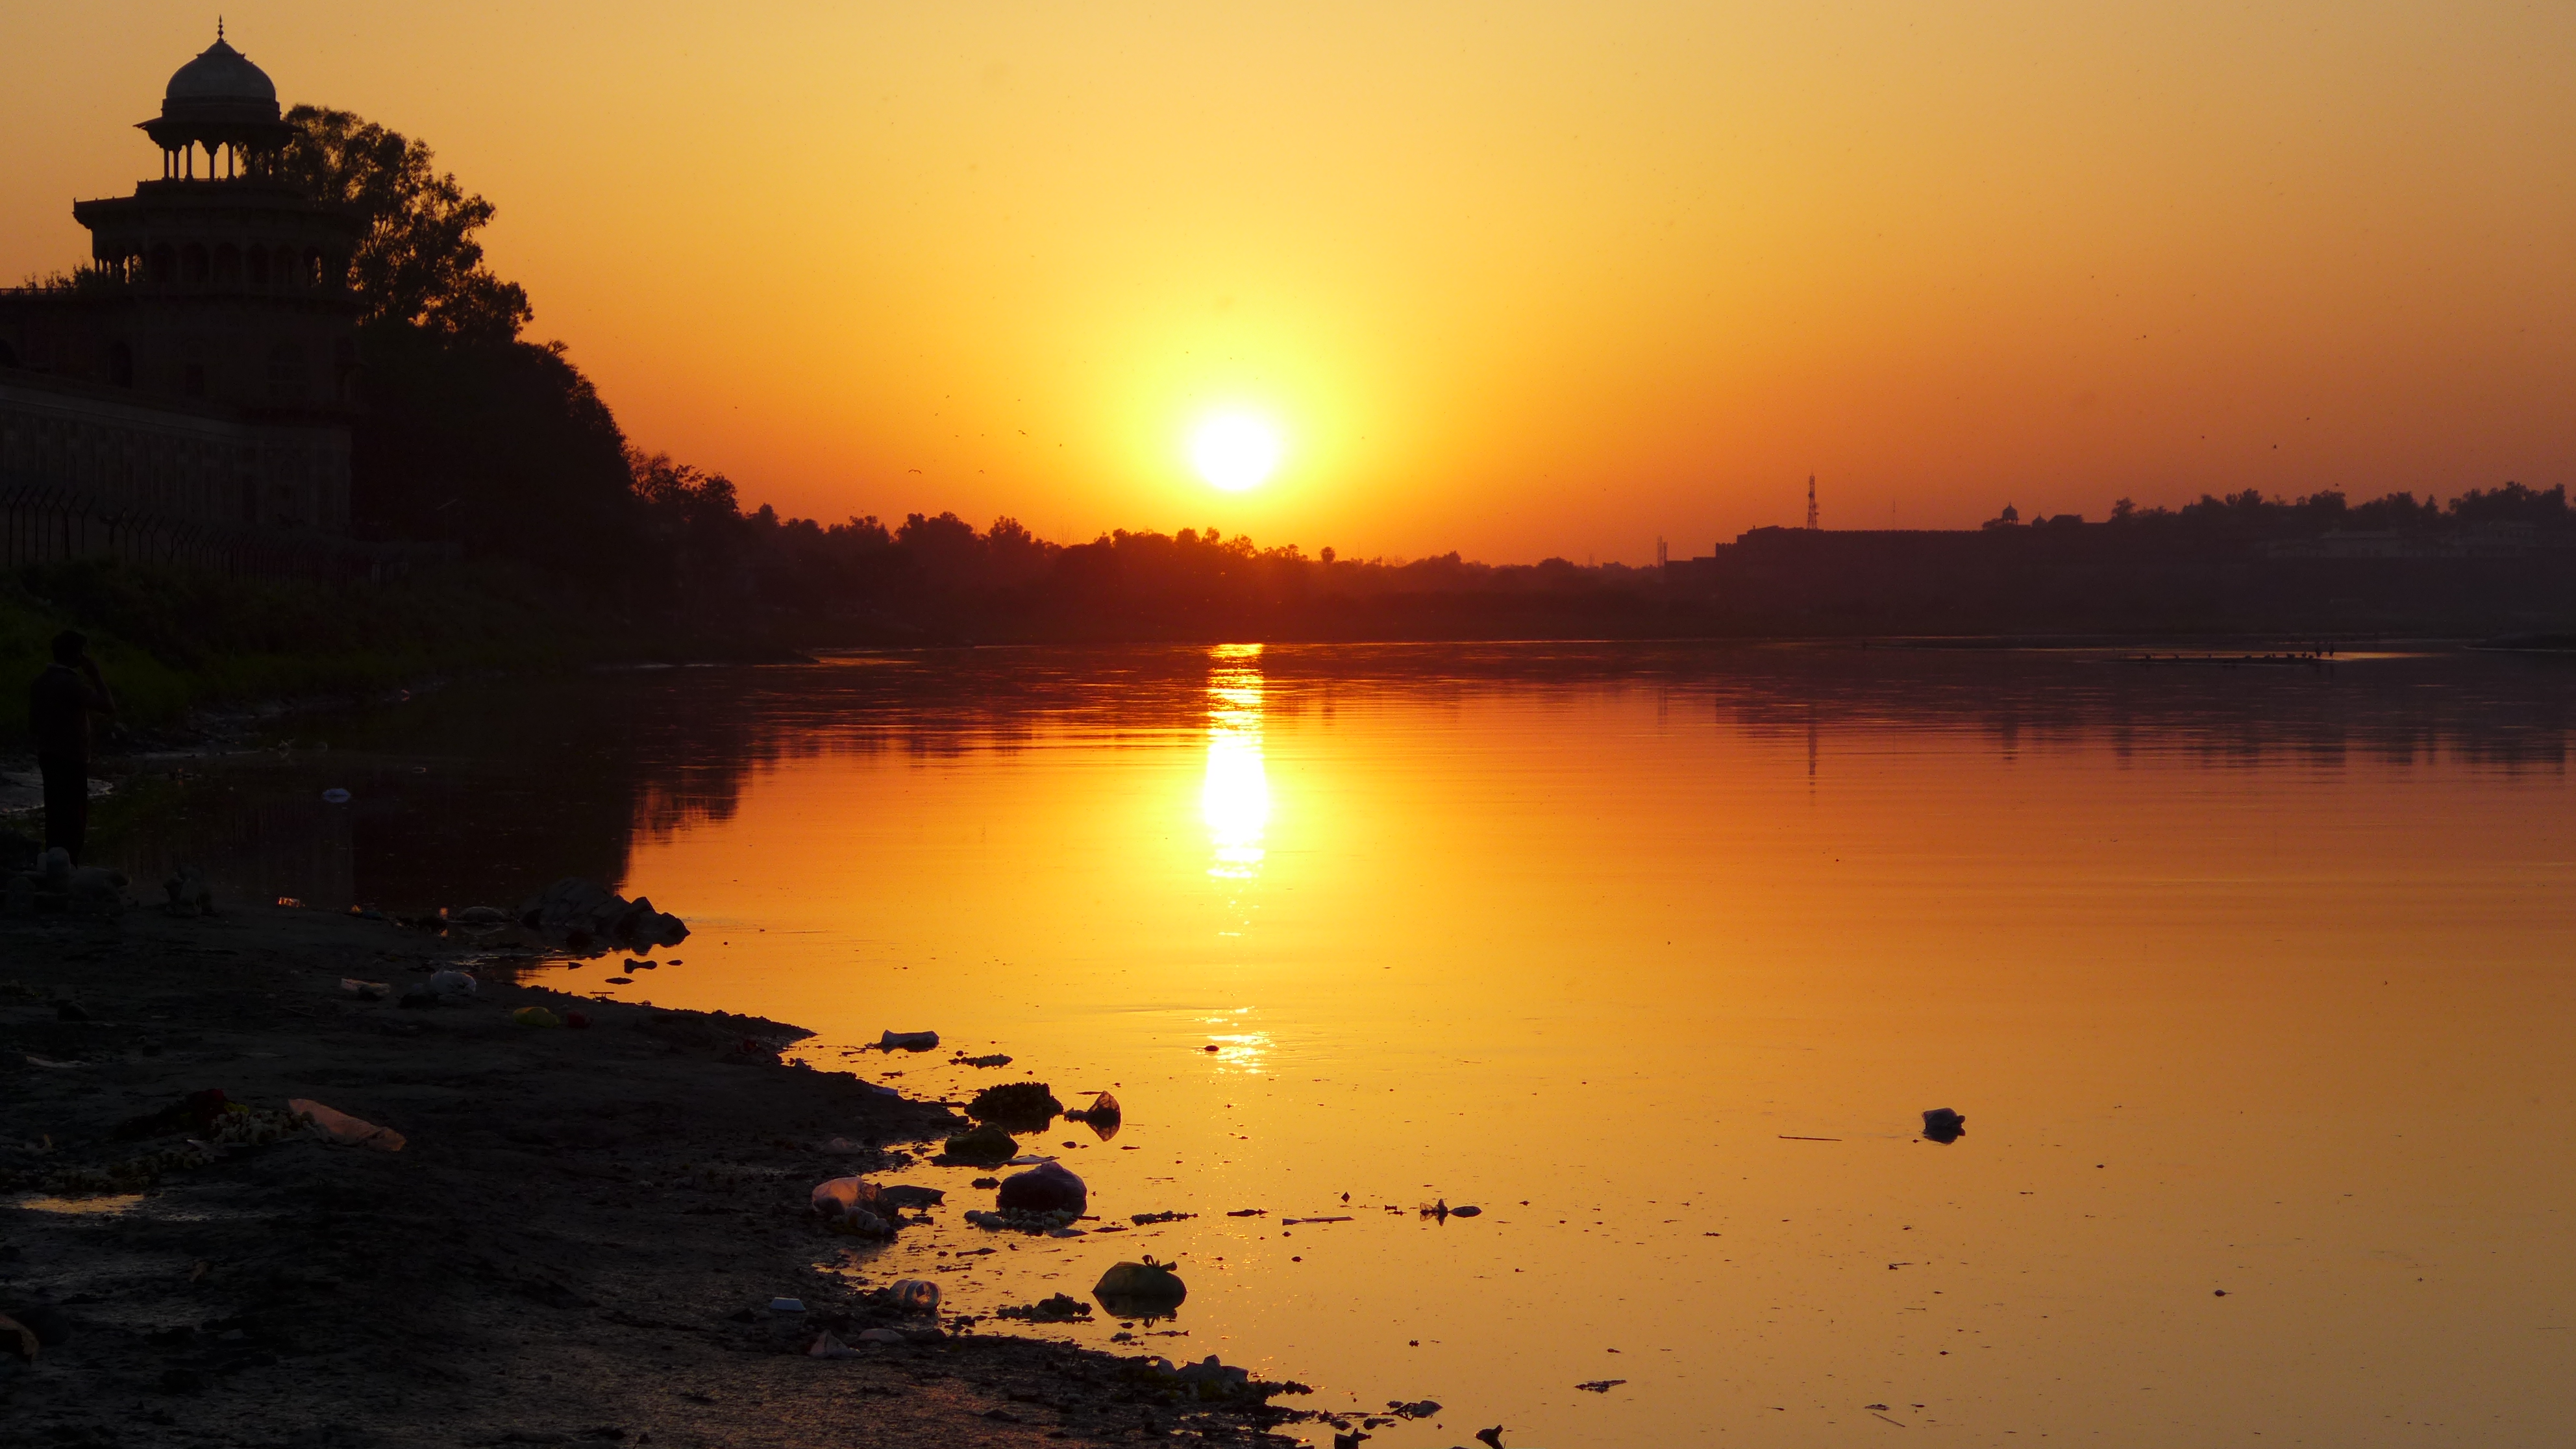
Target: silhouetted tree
{"points": [[419, 263]]}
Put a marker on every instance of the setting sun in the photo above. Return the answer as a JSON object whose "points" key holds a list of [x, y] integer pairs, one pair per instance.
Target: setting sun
{"points": [[1235, 451]]}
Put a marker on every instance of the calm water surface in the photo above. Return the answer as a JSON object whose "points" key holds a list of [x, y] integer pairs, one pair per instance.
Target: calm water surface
{"points": [[2251, 983]]}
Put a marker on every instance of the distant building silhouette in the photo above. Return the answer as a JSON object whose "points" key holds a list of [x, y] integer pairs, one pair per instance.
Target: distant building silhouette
{"points": [[195, 380]]}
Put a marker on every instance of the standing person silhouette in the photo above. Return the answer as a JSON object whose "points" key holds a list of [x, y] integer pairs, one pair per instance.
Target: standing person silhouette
{"points": [[59, 706]]}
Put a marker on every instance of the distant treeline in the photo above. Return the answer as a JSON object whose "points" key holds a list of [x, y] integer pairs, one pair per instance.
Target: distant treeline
{"points": [[2251, 516], [501, 446]]}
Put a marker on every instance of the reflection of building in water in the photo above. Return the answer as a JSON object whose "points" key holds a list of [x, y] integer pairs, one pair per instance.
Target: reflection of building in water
{"points": [[1235, 798]]}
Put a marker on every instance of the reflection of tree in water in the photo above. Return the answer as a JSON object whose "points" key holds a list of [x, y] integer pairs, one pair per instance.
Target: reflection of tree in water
{"points": [[483, 791]]}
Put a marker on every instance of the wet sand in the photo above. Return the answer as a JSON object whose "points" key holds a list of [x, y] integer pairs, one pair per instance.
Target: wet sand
{"points": [[577, 1242]]}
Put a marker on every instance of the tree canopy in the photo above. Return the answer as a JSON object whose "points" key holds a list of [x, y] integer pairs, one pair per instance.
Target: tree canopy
{"points": [[420, 263]]}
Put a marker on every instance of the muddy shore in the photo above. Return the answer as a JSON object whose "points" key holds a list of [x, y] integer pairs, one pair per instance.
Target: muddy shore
{"points": [[578, 1241]]}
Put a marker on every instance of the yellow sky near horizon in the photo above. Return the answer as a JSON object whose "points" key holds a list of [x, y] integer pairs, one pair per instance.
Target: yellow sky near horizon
{"points": [[1512, 279]]}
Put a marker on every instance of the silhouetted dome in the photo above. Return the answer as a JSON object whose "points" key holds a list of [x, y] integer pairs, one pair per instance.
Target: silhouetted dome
{"points": [[220, 85]]}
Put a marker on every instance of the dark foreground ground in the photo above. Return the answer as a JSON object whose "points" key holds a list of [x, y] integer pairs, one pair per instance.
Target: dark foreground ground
{"points": [[578, 1242]]}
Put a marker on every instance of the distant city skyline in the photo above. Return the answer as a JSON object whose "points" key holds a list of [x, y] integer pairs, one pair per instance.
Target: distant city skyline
{"points": [[1515, 283]]}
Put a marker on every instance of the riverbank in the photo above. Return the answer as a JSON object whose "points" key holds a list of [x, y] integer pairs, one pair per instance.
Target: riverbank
{"points": [[579, 1238], [182, 648]]}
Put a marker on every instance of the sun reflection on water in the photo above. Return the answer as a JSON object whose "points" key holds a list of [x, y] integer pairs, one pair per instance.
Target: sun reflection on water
{"points": [[1235, 798]]}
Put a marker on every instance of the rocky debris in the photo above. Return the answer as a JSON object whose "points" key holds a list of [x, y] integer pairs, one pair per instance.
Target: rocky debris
{"points": [[585, 915], [985, 1146], [1944, 1125], [1140, 1290], [1015, 1106], [1493, 1437], [1141, 1219], [1418, 1409], [1102, 1116], [188, 893], [1059, 1309], [995, 1060], [908, 1041], [513, 1251], [1208, 1381], [1443, 1212], [1036, 1224], [1600, 1386], [1046, 1188]]}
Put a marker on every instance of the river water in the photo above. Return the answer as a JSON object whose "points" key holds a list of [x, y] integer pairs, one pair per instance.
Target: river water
{"points": [[2252, 984]]}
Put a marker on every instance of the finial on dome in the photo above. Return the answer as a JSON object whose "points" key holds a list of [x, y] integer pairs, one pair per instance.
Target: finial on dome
{"points": [[219, 27]]}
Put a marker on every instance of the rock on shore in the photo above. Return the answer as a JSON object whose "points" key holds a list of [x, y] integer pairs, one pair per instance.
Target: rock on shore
{"points": [[578, 1240]]}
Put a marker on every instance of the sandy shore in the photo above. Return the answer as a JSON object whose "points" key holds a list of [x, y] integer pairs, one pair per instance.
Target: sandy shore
{"points": [[578, 1241]]}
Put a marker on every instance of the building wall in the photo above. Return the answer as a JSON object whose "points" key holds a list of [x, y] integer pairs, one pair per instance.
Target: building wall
{"points": [[116, 453]]}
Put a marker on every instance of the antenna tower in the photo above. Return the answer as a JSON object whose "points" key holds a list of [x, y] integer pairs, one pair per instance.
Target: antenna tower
{"points": [[1811, 503]]}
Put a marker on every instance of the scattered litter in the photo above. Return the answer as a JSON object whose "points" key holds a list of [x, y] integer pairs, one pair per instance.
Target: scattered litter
{"points": [[336, 795], [786, 1305], [534, 1016], [343, 1128], [1292, 1222], [914, 1295], [1785, 1137], [827, 1346], [452, 984], [995, 1060], [853, 1206], [1419, 1409], [1600, 1386], [364, 990], [1247, 1212], [1141, 1219], [879, 1335], [1944, 1125], [908, 1041]]}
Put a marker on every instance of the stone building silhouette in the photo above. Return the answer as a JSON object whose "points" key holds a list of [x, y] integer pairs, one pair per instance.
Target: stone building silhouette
{"points": [[187, 394]]}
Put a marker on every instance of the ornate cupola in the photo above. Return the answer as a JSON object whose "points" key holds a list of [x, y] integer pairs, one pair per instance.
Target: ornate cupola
{"points": [[223, 106]]}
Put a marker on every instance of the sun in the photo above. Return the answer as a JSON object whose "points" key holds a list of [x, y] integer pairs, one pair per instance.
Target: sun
{"points": [[1235, 451]]}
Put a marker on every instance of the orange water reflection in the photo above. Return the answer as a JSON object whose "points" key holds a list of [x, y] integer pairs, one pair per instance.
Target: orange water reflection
{"points": [[2287, 1022], [1235, 800]]}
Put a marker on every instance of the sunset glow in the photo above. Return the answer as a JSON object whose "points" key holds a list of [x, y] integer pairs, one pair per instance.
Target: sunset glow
{"points": [[1235, 451], [1665, 259]]}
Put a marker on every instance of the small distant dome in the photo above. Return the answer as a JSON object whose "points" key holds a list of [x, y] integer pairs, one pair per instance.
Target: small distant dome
{"points": [[220, 85]]}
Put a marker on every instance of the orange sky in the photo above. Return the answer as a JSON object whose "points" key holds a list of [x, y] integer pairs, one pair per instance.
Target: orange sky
{"points": [[1511, 279]]}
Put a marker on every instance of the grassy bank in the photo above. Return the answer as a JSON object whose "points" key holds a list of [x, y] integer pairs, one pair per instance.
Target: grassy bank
{"points": [[173, 641]]}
